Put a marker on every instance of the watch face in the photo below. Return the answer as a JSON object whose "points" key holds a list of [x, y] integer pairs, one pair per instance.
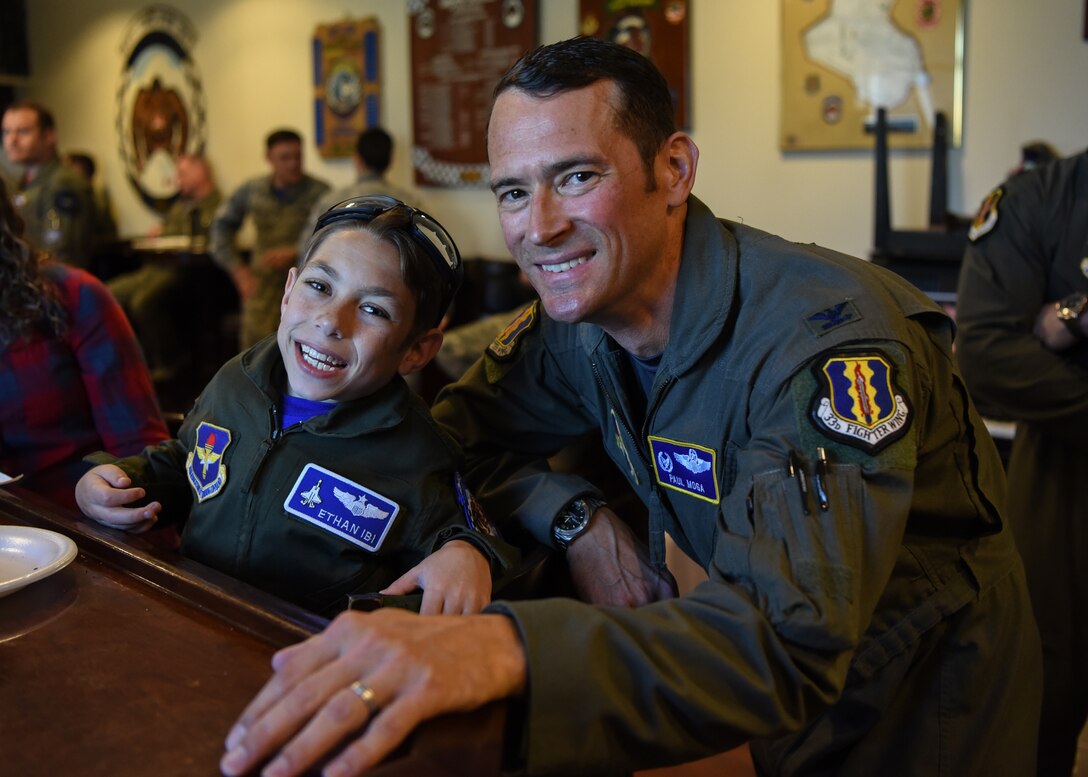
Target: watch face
{"points": [[1071, 307], [574, 520]]}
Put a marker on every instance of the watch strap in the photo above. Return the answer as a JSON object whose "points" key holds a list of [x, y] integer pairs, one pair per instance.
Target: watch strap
{"points": [[1070, 309]]}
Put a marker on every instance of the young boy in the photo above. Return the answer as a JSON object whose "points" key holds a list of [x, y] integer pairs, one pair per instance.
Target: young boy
{"points": [[310, 469]]}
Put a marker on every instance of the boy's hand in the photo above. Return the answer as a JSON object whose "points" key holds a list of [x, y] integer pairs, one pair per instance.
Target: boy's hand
{"points": [[102, 494], [456, 580]]}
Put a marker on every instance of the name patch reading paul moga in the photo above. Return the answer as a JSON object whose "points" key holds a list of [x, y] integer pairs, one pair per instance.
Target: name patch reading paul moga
{"points": [[341, 506], [857, 401], [685, 467]]}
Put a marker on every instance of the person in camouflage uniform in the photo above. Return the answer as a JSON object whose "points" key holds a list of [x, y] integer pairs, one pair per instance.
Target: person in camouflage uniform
{"points": [[147, 292], [55, 202], [279, 205]]}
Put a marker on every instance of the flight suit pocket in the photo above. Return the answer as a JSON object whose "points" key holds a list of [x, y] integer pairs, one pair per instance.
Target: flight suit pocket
{"points": [[803, 560]]}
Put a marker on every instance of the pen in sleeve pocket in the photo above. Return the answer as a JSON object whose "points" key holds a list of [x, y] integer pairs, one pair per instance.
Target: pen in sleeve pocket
{"points": [[821, 478], [796, 470]]}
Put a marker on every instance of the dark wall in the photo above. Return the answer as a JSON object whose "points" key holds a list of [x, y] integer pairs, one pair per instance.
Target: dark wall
{"points": [[14, 51]]}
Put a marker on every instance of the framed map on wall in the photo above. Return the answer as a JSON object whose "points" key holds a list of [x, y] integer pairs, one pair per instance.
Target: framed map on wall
{"points": [[843, 59]]}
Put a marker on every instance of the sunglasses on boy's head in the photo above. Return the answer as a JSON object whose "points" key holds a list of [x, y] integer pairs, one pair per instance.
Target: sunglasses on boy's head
{"points": [[431, 236]]}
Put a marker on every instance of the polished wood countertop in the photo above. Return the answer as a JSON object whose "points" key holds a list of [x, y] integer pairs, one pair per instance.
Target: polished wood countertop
{"points": [[135, 661]]}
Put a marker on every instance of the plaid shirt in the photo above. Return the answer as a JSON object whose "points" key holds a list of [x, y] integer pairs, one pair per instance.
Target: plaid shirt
{"points": [[62, 398]]}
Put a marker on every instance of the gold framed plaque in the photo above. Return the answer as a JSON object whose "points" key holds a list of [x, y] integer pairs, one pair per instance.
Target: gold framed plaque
{"points": [[347, 84], [843, 59]]}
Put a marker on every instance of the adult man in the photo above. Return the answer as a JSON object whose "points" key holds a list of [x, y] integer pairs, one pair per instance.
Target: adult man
{"points": [[789, 415], [54, 201], [278, 204], [103, 222], [373, 153], [148, 292], [1021, 307]]}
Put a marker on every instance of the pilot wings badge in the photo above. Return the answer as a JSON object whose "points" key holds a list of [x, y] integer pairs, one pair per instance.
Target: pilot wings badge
{"points": [[342, 507], [358, 505], [204, 465]]}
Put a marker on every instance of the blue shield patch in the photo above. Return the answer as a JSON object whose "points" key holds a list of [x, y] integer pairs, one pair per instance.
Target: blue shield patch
{"points": [[204, 466], [475, 516], [685, 467], [857, 401], [341, 506]]}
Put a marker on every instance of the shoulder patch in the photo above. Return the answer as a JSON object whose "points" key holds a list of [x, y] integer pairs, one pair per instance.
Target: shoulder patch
{"points": [[67, 202], [986, 219], [475, 516], [832, 318], [342, 507], [505, 345], [857, 401], [204, 465]]}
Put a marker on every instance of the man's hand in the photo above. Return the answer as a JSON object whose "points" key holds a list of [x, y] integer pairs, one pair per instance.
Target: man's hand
{"points": [[456, 580], [610, 566], [418, 667]]}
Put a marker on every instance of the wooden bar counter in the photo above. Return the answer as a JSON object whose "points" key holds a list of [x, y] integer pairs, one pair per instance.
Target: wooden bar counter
{"points": [[135, 661]]}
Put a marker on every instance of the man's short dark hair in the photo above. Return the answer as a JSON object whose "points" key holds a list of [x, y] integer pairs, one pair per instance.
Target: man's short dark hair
{"points": [[281, 136], [45, 116], [645, 113], [375, 148], [84, 161]]}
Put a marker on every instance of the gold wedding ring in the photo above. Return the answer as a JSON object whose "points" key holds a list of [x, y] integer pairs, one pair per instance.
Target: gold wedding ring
{"points": [[366, 693]]}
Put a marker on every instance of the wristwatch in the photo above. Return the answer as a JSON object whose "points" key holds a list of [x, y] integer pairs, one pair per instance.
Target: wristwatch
{"points": [[573, 520], [1070, 309]]}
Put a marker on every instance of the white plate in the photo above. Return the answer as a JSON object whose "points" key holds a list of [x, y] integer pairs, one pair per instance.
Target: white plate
{"points": [[28, 554]]}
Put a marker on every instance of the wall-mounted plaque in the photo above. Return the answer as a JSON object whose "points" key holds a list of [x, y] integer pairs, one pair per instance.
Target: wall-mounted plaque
{"points": [[160, 103], [347, 84], [657, 29], [459, 52], [843, 59]]}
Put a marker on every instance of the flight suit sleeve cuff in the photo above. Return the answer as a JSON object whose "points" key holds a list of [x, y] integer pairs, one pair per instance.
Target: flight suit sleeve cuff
{"points": [[500, 555]]}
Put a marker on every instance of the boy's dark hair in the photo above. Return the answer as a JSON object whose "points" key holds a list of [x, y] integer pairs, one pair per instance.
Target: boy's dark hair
{"points": [[645, 111], [375, 148], [417, 268], [45, 116], [282, 136]]}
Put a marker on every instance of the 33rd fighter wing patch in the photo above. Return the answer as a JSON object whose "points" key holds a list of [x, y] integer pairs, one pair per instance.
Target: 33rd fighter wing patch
{"points": [[857, 401]]}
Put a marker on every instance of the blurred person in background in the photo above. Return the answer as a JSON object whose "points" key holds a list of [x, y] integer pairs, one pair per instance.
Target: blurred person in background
{"points": [[54, 201], [279, 204], [149, 292], [1023, 348], [72, 378]]}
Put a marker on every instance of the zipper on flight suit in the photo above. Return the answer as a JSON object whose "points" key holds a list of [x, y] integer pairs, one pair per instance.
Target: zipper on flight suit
{"points": [[621, 426], [657, 546], [266, 447]]}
